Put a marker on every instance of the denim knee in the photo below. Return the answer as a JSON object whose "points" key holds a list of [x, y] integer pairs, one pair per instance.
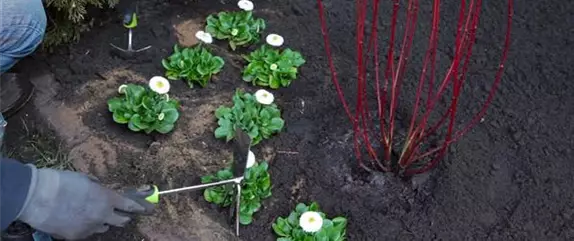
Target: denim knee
{"points": [[22, 28]]}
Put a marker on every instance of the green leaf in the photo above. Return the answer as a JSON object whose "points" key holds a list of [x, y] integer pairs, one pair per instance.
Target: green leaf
{"points": [[254, 206], [207, 179], [222, 111], [339, 221], [327, 224], [211, 20], [119, 118], [284, 81], [284, 239], [114, 104], [293, 219], [301, 208], [274, 83], [165, 128], [314, 207], [212, 30], [202, 69], [245, 219], [208, 195], [277, 124], [132, 127], [221, 132], [321, 236], [170, 116], [186, 53], [165, 64], [265, 114], [279, 229], [134, 94], [298, 234], [224, 174], [218, 63], [136, 120], [254, 132]]}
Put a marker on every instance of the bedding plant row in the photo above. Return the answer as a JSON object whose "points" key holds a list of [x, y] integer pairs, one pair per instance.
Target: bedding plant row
{"points": [[151, 109]]}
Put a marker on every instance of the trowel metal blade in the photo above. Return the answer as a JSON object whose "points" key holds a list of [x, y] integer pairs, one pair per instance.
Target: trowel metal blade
{"points": [[143, 49], [240, 152]]}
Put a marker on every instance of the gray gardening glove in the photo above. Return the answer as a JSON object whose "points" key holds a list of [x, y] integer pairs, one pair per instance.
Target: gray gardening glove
{"points": [[72, 206]]}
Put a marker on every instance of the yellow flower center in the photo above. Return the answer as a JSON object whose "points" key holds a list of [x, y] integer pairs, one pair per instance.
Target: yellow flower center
{"points": [[312, 220], [159, 85]]}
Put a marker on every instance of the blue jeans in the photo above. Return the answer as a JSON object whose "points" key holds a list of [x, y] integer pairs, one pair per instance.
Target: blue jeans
{"points": [[22, 27]]}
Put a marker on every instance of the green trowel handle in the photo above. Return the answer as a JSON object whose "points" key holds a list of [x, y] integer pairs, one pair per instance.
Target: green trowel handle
{"points": [[130, 16], [149, 192]]}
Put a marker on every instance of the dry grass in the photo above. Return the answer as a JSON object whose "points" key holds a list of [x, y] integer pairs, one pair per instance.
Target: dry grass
{"points": [[35, 146]]}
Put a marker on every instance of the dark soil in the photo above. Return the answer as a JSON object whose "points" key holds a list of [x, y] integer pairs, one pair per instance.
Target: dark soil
{"points": [[509, 179]]}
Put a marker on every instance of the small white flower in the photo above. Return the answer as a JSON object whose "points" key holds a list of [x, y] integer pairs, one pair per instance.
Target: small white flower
{"points": [[159, 84], [311, 221], [122, 89], [234, 32], [250, 159], [274, 40], [204, 37], [273, 67], [161, 116], [245, 5], [264, 97]]}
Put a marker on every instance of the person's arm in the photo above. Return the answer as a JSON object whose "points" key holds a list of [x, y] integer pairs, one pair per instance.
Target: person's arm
{"points": [[14, 185], [65, 204]]}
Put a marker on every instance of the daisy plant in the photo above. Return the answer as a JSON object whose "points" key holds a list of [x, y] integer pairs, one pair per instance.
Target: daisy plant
{"points": [[256, 187], [195, 65], [269, 66], [255, 114], [308, 223], [239, 28], [145, 109]]}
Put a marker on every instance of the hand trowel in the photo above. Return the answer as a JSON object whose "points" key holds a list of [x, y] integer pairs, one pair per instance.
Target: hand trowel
{"points": [[240, 155]]}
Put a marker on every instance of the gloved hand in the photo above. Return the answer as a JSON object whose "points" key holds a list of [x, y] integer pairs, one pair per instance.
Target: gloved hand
{"points": [[72, 206]]}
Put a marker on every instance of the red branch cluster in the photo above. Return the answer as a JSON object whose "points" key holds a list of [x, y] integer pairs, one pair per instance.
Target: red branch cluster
{"points": [[388, 87]]}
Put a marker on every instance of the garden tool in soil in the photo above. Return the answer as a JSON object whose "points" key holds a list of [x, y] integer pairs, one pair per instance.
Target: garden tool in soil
{"points": [[240, 156], [130, 21]]}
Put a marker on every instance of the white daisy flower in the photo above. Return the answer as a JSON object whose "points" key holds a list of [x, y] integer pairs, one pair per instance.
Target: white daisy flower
{"points": [[311, 221], [274, 40], [122, 89], [204, 37], [250, 159], [264, 97], [245, 5], [159, 85]]}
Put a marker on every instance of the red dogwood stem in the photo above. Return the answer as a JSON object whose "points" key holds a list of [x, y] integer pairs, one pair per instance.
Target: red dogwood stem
{"points": [[394, 76], [480, 114]]}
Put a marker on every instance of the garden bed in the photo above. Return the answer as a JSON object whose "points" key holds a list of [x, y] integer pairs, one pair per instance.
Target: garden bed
{"points": [[475, 194]]}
